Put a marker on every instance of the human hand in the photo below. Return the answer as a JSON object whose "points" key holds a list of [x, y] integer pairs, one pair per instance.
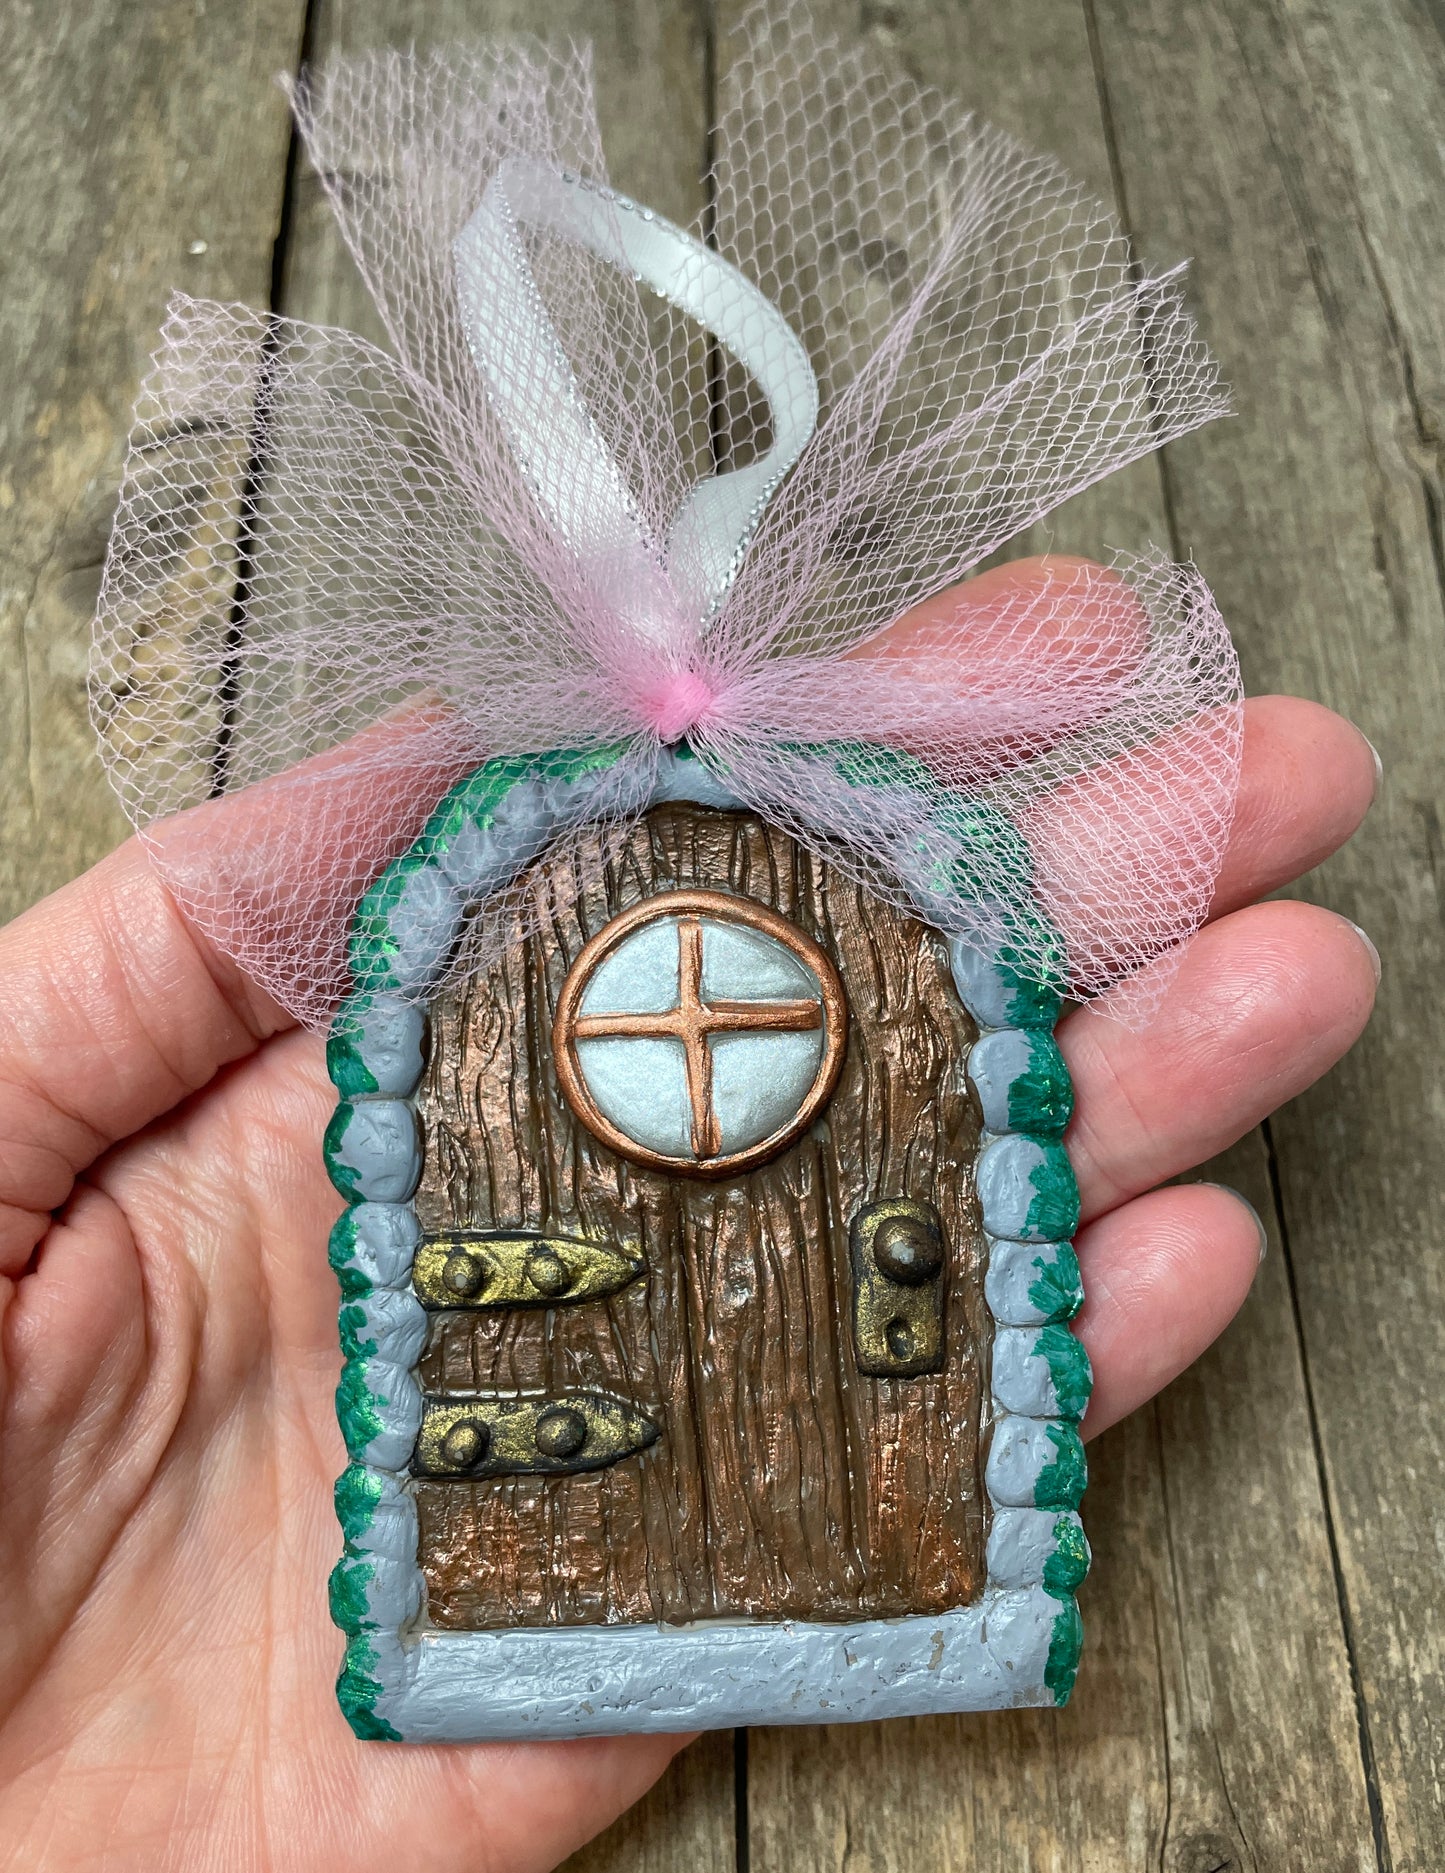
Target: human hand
{"points": [[168, 1355]]}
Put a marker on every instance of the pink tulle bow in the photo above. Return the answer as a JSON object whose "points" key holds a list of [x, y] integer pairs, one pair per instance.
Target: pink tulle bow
{"points": [[681, 704], [343, 577]]}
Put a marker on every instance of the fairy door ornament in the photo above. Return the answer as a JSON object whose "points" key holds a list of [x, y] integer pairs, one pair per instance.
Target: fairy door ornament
{"points": [[688, 882]]}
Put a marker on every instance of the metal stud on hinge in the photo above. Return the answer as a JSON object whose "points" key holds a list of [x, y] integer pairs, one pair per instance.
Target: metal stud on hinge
{"points": [[899, 1259]]}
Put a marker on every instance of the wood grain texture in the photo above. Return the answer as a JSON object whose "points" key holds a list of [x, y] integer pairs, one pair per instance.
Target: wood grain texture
{"points": [[650, 60], [143, 149], [1215, 1673], [1300, 147], [785, 1483]]}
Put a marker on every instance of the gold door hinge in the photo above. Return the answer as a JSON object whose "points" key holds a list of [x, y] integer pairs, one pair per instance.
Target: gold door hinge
{"points": [[487, 1434], [513, 1268]]}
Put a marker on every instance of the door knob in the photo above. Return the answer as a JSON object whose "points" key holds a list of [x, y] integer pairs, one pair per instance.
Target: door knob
{"points": [[899, 1257]]}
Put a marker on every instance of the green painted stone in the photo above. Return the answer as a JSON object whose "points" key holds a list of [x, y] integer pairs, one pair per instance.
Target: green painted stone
{"points": [[351, 1324], [1069, 1562], [1058, 1291], [1069, 1368], [1053, 1212], [1066, 1643], [969, 851], [866, 764], [472, 801], [341, 1252], [356, 1411], [372, 950], [357, 1492], [348, 1072], [1061, 1481], [343, 1176], [1032, 966], [1041, 1099], [984, 829], [346, 1594], [573, 764], [357, 1691], [1031, 1003]]}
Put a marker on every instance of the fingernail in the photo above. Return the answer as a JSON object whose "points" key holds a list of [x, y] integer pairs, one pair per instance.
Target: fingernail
{"points": [[1379, 764], [1374, 953], [1242, 1199]]}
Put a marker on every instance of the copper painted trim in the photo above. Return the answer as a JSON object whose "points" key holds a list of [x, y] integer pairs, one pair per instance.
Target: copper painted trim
{"points": [[692, 1020]]}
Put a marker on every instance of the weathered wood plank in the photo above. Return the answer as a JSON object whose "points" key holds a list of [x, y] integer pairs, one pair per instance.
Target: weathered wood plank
{"points": [[143, 148], [1298, 142], [1205, 1511], [1249, 1559], [649, 59], [683, 1825]]}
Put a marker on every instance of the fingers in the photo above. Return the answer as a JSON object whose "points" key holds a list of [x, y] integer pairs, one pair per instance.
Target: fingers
{"points": [[1082, 615], [1163, 1277], [1265, 1001], [974, 681], [111, 1011], [1306, 780], [559, 1795], [1015, 658], [113, 1007], [1307, 776], [272, 874]]}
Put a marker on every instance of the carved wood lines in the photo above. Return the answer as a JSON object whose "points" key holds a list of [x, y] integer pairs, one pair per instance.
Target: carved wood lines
{"points": [[526, 1530], [784, 1483]]}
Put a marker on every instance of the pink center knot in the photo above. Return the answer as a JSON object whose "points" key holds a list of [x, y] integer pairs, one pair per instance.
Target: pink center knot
{"points": [[678, 702]]}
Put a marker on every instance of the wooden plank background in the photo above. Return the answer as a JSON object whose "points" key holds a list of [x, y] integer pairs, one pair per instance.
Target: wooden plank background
{"points": [[1262, 1687]]}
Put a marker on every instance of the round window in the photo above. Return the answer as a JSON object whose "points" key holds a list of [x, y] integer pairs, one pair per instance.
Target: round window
{"points": [[699, 1032]]}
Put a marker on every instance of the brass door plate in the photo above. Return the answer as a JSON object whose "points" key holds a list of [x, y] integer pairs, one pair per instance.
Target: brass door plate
{"points": [[474, 1268], [899, 1263], [489, 1434]]}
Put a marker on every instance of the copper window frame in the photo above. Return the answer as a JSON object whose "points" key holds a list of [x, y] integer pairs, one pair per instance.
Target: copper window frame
{"points": [[721, 906]]}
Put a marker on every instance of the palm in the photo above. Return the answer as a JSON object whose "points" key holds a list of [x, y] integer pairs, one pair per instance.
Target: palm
{"points": [[178, 1600], [169, 1355]]}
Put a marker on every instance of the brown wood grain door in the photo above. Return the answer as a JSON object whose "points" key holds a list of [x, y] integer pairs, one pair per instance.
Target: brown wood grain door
{"points": [[784, 1481]]}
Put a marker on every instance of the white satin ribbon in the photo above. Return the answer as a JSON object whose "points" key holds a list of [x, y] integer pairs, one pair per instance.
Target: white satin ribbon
{"points": [[532, 388]]}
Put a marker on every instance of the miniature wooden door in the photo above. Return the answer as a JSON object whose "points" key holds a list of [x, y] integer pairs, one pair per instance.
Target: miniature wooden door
{"points": [[709, 1335]]}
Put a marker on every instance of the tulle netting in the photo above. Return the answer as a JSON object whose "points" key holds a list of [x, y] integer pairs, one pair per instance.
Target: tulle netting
{"points": [[332, 590]]}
